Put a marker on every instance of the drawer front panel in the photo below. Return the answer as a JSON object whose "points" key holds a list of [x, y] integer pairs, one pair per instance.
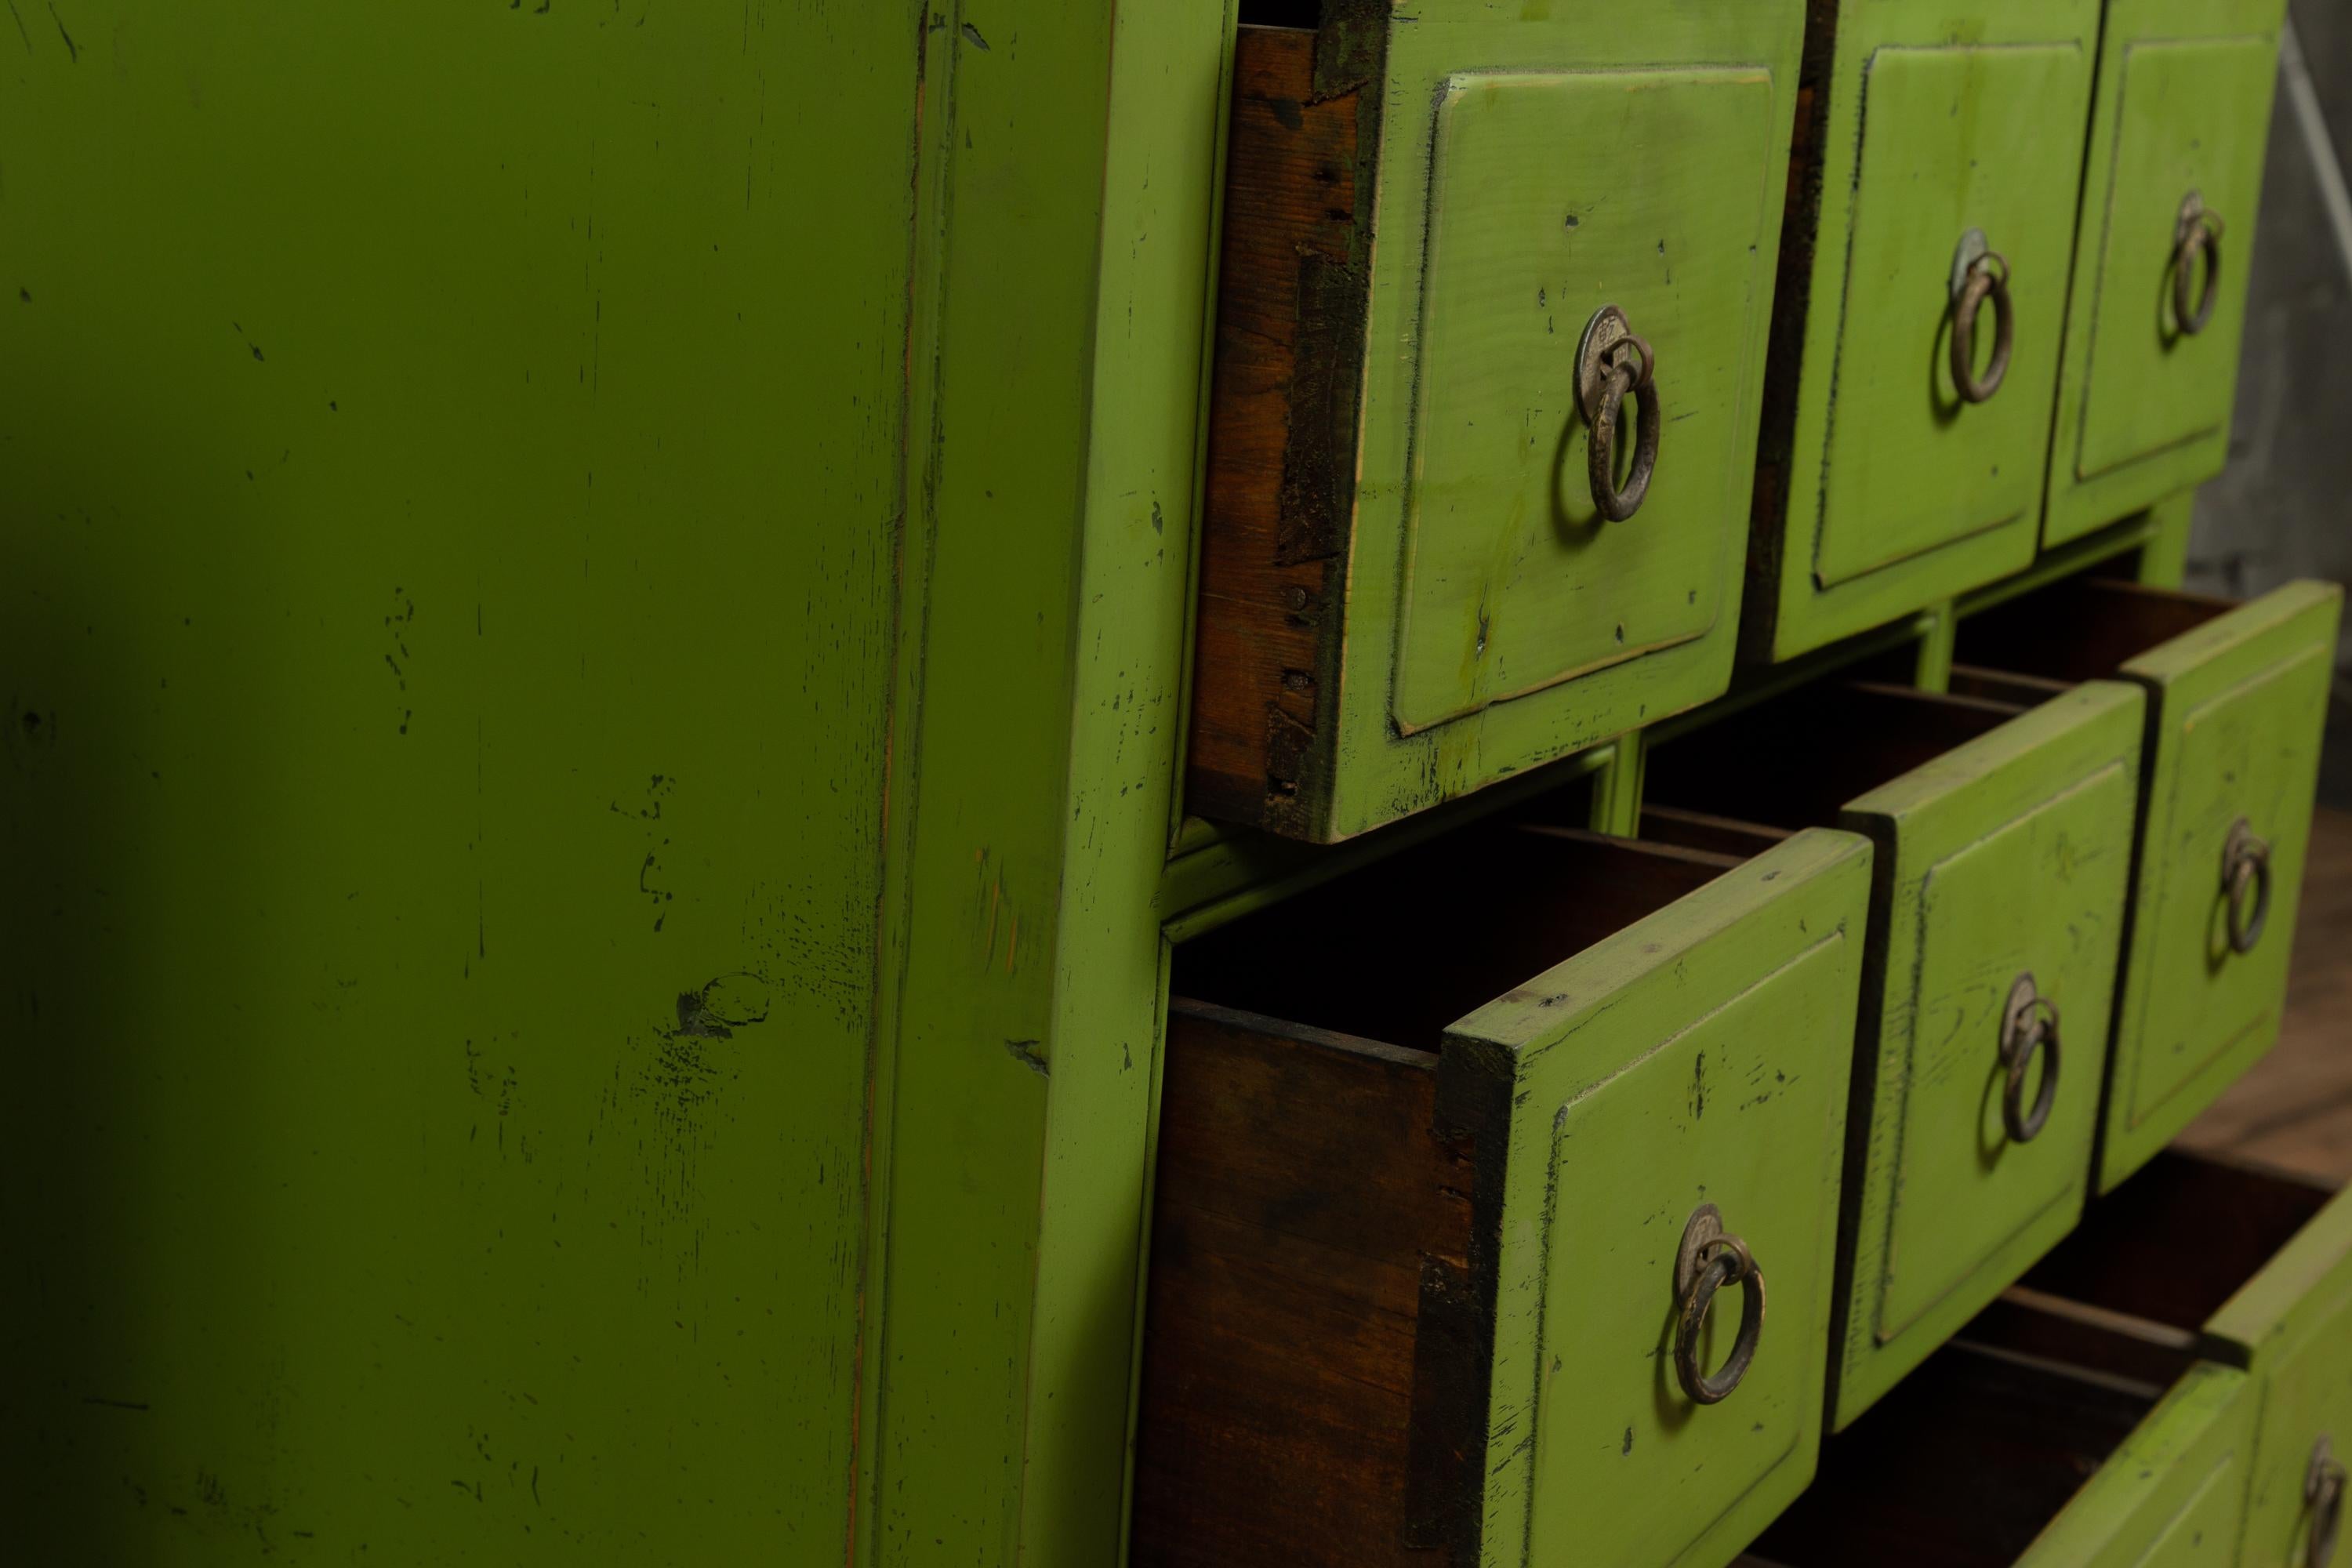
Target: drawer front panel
{"points": [[2183, 108], [2174, 1495], [1514, 581], [1881, 487], [1700, 1057], [1408, 590], [1953, 140], [2237, 709], [2010, 858], [2152, 385]]}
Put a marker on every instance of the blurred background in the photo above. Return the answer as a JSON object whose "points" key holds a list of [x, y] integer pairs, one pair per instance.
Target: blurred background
{"points": [[2280, 512], [2284, 509]]}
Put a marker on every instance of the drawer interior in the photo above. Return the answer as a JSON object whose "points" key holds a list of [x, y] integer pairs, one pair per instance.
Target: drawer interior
{"points": [[2076, 629], [1962, 1466], [1399, 951], [2169, 1247], [1747, 779]]}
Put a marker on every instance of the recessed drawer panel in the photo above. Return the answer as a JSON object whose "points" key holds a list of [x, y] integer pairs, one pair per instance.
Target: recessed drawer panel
{"points": [[2163, 255], [1937, 187], [2237, 698], [1461, 249], [2003, 854], [1439, 1280]]}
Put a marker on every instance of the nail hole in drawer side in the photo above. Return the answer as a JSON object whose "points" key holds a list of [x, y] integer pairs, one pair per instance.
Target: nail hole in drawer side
{"points": [[1354, 1212]]}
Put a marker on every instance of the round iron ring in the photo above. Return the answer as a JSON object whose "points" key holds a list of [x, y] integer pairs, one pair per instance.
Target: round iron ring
{"points": [[1726, 1260], [2246, 871], [2199, 235], [2323, 1494], [2029, 1028], [1601, 453], [1984, 284]]}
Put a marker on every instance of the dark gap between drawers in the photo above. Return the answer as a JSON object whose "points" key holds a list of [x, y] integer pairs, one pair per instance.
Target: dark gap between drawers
{"points": [[2079, 628], [1796, 762], [1401, 949], [2177, 1240]]}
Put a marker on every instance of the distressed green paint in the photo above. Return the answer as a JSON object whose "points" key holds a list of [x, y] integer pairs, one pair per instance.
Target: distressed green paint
{"points": [[1061, 252], [1513, 580], [2291, 1326], [1673, 173], [1698, 1056], [2236, 711], [2010, 854], [2183, 104], [2174, 1494], [1899, 493], [450, 543]]}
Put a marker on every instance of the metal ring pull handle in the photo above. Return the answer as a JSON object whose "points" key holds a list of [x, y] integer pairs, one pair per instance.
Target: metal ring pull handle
{"points": [[2029, 1027], [1979, 275], [2323, 1494], [1612, 364], [2198, 233], [1710, 1259], [2246, 871]]}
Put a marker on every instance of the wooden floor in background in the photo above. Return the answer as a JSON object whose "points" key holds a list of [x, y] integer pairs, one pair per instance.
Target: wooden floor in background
{"points": [[2295, 1109]]}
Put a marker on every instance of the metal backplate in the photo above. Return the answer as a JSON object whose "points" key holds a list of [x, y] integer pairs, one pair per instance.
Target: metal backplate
{"points": [[1705, 1229], [1972, 249], [1604, 332]]}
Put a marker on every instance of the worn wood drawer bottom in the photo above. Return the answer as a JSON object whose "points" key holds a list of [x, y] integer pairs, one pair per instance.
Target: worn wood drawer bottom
{"points": [[1431, 1140]]}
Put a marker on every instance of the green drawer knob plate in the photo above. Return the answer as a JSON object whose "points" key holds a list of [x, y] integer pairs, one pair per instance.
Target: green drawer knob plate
{"points": [[1979, 277], [2246, 874], [1612, 364], [2322, 1493], [2198, 234], [1710, 1259], [2029, 1028]]}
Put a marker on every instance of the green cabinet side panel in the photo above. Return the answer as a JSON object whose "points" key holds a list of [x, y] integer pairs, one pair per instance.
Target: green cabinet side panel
{"points": [[2010, 856], [2174, 1495], [1899, 493], [1698, 1056], [1537, 163], [450, 546], [2235, 711], [1062, 249], [2183, 105]]}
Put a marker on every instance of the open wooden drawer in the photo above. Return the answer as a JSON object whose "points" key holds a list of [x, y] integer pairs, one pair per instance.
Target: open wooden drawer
{"points": [[1988, 1458], [2237, 696], [1441, 1148], [1437, 549], [2249, 1267], [2003, 840]]}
